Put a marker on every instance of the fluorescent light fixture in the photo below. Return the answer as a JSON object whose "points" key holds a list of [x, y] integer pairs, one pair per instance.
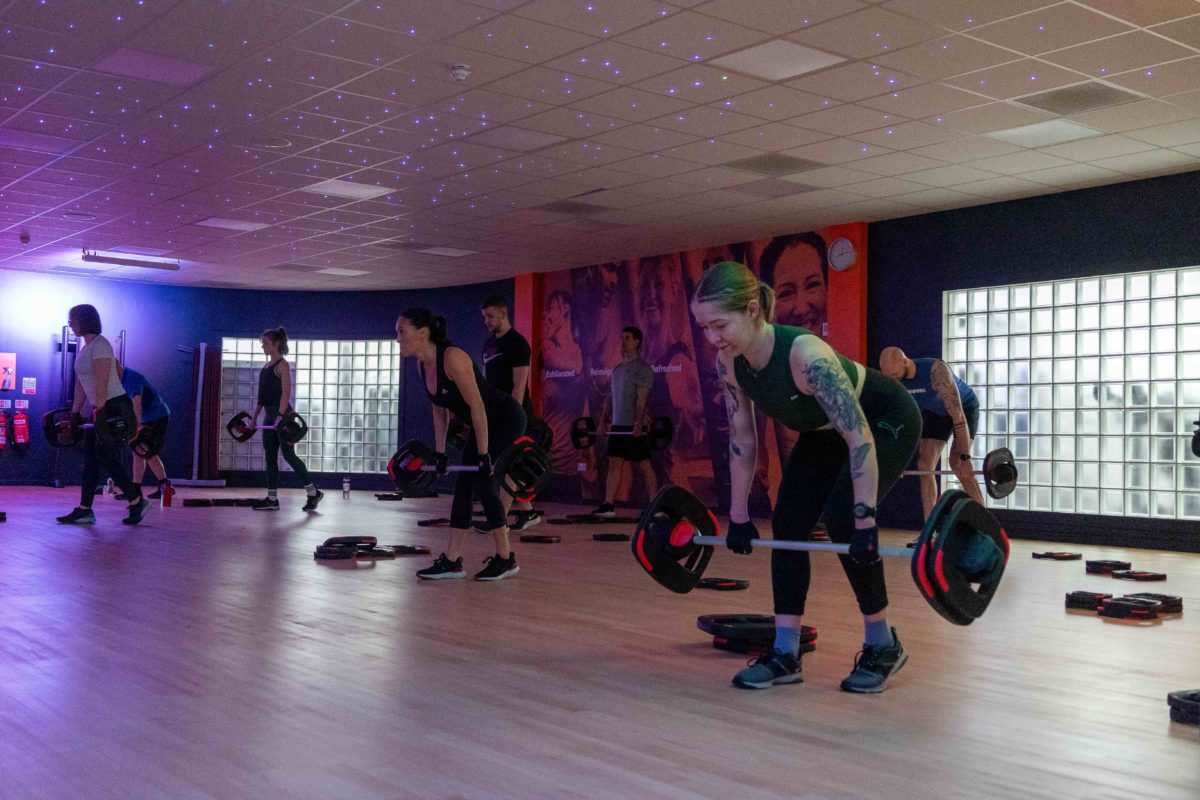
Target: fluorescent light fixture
{"points": [[78, 216], [231, 224], [449, 252], [356, 191], [1040, 134], [151, 67], [777, 60], [347, 272], [92, 257]]}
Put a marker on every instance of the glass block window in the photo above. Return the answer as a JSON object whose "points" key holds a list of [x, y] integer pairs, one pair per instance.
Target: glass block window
{"points": [[347, 391], [1093, 384]]}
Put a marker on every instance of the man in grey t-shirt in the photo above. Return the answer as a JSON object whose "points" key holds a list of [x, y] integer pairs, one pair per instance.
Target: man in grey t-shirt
{"points": [[626, 408]]}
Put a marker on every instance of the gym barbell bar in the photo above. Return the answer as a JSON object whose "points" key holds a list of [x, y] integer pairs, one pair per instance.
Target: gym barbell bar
{"points": [[815, 547]]}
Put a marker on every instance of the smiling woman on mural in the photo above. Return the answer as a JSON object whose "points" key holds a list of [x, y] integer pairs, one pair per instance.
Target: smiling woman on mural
{"points": [[796, 266]]}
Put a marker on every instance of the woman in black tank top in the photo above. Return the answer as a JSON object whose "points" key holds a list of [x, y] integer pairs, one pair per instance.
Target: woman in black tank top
{"points": [[275, 398], [857, 429], [454, 385]]}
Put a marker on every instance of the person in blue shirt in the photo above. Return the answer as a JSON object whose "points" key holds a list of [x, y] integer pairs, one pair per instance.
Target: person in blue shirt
{"points": [[153, 414], [949, 412]]}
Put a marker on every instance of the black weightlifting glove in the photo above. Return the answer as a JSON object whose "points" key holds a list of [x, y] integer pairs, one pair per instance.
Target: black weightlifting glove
{"points": [[739, 535], [485, 465], [440, 463], [864, 545]]}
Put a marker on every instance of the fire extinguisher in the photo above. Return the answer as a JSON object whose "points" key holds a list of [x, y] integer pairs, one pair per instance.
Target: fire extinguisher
{"points": [[20, 432], [3, 430]]}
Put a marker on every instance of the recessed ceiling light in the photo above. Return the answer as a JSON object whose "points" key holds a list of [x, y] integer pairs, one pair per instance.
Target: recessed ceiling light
{"points": [[450, 252], [78, 216], [777, 60], [231, 224], [1040, 134], [358, 191], [348, 272]]}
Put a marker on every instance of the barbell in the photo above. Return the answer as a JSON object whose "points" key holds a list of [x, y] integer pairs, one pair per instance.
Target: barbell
{"points": [[290, 426], [957, 565], [999, 473], [659, 433], [63, 427], [521, 470]]}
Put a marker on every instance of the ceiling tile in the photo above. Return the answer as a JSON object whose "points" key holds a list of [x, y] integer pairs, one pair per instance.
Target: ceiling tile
{"points": [[1016, 78], [525, 40], [692, 37], [514, 138], [1097, 147], [847, 119], [617, 63], [837, 151], [1016, 163], [1072, 175], [774, 103], [968, 149], [574, 123], [1169, 135], [778, 17], [866, 34], [700, 84], [352, 41], [712, 152], [949, 175], [549, 86], [421, 19], [1130, 116], [637, 136], [1151, 162], [1119, 53], [1162, 80], [896, 164], [774, 136], [960, 15], [632, 104], [1051, 28], [1141, 13], [853, 82], [705, 121], [942, 58], [1185, 31], [596, 17], [993, 117], [909, 135], [926, 100]]}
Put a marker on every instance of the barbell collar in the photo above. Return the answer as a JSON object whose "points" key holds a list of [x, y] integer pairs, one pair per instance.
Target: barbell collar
{"points": [[815, 547]]}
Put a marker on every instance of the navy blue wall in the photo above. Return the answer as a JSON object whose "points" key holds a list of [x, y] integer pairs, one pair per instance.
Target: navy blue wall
{"points": [[1127, 227], [160, 319]]}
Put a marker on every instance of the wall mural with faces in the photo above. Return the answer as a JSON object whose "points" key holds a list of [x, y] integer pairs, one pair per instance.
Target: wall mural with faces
{"points": [[583, 311]]}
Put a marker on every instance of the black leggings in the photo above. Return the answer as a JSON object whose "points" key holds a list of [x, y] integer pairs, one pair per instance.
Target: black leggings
{"points": [[95, 456], [506, 424], [816, 482], [272, 445]]}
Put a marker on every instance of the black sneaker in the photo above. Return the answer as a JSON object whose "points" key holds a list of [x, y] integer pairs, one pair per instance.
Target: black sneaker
{"points": [[266, 504], [80, 516], [913, 544], [873, 667], [136, 512], [604, 510], [498, 568], [525, 520], [769, 669], [442, 569], [311, 503]]}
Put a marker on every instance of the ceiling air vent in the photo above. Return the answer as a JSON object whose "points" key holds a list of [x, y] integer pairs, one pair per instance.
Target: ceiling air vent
{"points": [[1078, 98], [773, 164]]}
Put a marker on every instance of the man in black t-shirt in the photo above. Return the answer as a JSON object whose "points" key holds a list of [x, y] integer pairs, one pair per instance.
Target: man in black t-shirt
{"points": [[506, 359]]}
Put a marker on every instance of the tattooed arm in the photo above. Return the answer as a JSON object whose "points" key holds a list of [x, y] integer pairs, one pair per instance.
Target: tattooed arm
{"points": [[943, 383], [817, 371], [743, 442]]}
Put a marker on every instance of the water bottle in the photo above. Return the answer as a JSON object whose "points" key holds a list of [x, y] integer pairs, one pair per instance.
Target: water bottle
{"points": [[346, 488], [108, 486]]}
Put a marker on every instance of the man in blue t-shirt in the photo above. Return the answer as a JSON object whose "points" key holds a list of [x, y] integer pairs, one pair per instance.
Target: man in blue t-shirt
{"points": [[949, 412], [153, 414]]}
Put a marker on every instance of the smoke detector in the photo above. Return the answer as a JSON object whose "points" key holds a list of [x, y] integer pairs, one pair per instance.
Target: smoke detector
{"points": [[460, 72]]}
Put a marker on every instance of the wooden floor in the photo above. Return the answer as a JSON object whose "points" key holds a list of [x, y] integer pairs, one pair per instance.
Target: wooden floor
{"points": [[205, 654]]}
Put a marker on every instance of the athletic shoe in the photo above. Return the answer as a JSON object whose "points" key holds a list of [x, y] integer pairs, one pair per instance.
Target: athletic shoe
{"points": [[874, 665], [525, 520], [313, 499], [498, 568], [913, 544], [442, 569], [266, 504], [604, 510], [80, 516], [769, 669], [136, 512]]}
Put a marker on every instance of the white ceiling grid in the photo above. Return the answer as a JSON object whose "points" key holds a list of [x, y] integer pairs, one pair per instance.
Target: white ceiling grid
{"points": [[258, 142]]}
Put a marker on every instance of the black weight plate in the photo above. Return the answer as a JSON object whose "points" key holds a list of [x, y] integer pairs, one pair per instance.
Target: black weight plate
{"points": [[723, 584], [1137, 575], [610, 537], [1087, 601], [1171, 604], [540, 538], [1121, 608], [1185, 706], [196, 502], [429, 523], [333, 553], [1105, 567], [1058, 556], [749, 647], [409, 549]]}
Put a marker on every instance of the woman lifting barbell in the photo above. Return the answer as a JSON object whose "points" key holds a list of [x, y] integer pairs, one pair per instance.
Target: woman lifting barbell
{"points": [[97, 384], [275, 397], [858, 430], [455, 386]]}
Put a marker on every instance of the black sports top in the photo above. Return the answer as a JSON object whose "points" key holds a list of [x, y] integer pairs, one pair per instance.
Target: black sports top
{"points": [[448, 395], [773, 389], [270, 387]]}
